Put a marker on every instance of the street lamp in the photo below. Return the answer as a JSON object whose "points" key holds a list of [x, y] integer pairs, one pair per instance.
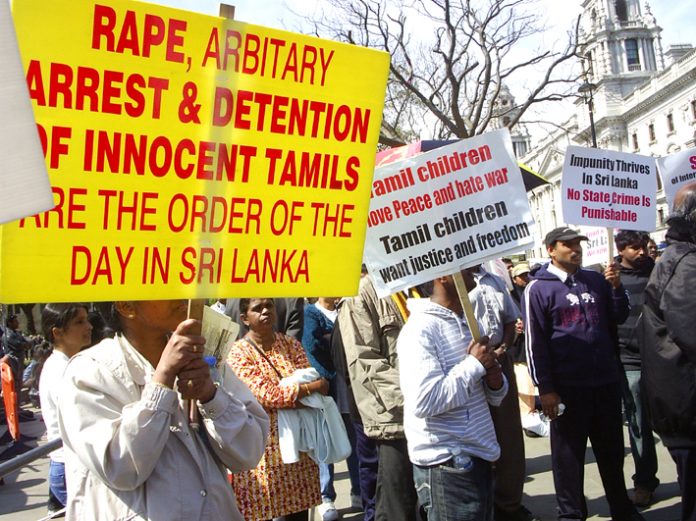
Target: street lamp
{"points": [[587, 91]]}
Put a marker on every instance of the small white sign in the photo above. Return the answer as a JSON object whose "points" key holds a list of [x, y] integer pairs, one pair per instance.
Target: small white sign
{"points": [[596, 249], [609, 189], [676, 171]]}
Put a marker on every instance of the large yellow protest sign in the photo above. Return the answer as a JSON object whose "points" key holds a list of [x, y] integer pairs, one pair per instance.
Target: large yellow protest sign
{"points": [[191, 156]]}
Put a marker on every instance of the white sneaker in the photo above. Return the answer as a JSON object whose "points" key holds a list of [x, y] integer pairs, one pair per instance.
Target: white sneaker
{"points": [[356, 503], [54, 513], [537, 424], [327, 511]]}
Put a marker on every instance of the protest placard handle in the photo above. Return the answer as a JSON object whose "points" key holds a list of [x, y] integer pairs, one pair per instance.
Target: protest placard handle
{"points": [[227, 11], [466, 305], [610, 245], [195, 310], [195, 306]]}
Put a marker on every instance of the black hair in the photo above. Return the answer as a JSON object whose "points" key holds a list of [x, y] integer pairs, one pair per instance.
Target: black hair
{"points": [[100, 330], [244, 303], [625, 238], [42, 350], [58, 315], [425, 290], [683, 218], [110, 317]]}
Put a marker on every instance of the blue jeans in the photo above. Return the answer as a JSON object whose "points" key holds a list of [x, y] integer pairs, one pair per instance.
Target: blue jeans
{"points": [[449, 494], [326, 481], [326, 471], [56, 481], [640, 434]]}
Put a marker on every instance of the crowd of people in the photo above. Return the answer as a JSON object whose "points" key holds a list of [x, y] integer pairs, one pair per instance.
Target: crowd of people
{"points": [[432, 413]]}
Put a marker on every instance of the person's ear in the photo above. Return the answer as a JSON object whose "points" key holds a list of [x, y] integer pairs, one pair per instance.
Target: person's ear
{"points": [[125, 309], [243, 318], [57, 334]]}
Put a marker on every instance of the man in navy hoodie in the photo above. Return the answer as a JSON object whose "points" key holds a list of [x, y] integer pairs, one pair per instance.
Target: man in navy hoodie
{"points": [[571, 316]]}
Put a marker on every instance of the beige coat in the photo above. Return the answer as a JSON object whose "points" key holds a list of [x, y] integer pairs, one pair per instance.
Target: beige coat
{"points": [[130, 453], [369, 328]]}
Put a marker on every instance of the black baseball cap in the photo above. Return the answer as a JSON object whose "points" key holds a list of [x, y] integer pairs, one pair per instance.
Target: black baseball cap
{"points": [[562, 234]]}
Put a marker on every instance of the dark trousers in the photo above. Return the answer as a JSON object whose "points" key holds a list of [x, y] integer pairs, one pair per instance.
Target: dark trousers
{"points": [[396, 493], [686, 473], [594, 413], [352, 460], [368, 462], [510, 467]]}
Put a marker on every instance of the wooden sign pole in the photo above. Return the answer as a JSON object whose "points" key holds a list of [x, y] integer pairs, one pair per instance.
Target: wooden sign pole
{"points": [[195, 310], [466, 306], [195, 307]]}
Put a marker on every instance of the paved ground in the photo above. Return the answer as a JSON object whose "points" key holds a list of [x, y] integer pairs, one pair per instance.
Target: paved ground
{"points": [[23, 496], [539, 492]]}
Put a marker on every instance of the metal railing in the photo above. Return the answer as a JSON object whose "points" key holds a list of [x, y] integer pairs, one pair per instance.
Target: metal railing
{"points": [[24, 459]]}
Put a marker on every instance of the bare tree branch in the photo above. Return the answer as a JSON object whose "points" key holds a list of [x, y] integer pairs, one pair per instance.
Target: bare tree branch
{"points": [[451, 60]]}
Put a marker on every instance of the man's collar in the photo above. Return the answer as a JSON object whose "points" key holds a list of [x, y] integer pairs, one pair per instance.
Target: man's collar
{"points": [[555, 270]]}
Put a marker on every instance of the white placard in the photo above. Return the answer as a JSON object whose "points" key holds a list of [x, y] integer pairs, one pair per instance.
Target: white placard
{"points": [[608, 189], [676, 171], [24, 186], [596, 249], [450, 208]]}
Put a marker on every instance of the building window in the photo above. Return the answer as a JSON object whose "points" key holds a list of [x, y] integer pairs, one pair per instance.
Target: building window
{"points": [[520, 148], [590, 65], [659, 181], [693, 109], [651, 133], [634, 140], [621, 10], [661, 216], [632, 56], [670, 123]]}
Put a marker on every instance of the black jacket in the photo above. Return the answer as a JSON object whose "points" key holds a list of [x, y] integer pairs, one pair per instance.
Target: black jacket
{"points": [[669, 345], [634, 280]]}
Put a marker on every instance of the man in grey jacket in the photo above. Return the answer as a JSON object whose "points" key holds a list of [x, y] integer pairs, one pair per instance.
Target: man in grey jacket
{"points": [[369, 329]]}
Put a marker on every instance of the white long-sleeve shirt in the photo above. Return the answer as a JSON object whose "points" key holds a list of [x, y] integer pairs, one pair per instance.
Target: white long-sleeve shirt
{"points": [[445, 397], [130, 453], [49, 389]]}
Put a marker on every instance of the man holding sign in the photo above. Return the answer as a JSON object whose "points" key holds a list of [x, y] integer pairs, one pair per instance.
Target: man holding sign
{"points": [[448, 381], [571, 314]]}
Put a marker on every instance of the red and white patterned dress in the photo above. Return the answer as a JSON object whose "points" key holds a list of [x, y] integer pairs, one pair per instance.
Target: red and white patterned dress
{"points": [[273, 488]]}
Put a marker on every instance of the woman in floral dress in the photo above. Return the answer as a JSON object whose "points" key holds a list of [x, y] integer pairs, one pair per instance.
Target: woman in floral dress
{"points": [[261, 359]]}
